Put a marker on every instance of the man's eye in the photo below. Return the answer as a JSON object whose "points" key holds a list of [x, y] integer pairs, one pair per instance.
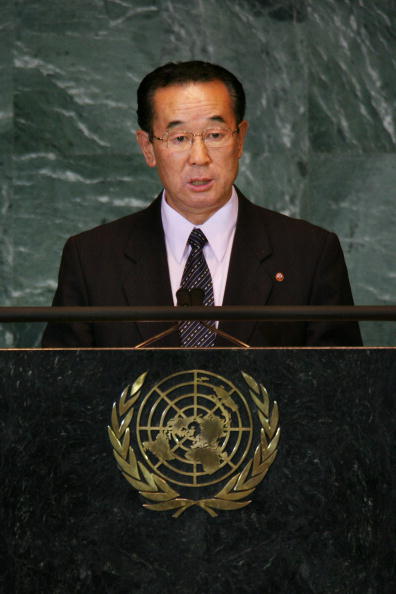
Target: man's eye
{"points": [[178, 139], [215, 135]]}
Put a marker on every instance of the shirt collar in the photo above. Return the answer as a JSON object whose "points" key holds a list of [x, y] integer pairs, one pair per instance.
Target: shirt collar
{"points": [[218, 228]]}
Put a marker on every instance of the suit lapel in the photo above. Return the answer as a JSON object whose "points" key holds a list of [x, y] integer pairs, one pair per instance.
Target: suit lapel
{"points": [[248, 281], [146, 278]]}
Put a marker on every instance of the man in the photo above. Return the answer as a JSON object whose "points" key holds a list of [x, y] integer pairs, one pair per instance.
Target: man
{"points": [[200, 232]]}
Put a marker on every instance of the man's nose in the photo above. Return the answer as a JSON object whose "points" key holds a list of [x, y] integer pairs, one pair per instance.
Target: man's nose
{"points": [[199, 154]]}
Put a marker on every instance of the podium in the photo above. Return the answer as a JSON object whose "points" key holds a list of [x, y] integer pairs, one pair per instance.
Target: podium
{"points": [[321, 520]]}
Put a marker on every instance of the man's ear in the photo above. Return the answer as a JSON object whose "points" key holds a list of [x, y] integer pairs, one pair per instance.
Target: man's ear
{"points": [[147, 147], [243, 128]]}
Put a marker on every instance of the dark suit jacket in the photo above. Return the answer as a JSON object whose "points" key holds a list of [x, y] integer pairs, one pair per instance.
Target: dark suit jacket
{"points": [[124, 263]]}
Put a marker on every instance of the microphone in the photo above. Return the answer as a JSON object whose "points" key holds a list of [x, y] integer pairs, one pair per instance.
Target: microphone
{"points": [[183, 297], [197, 296], [190, 297]]}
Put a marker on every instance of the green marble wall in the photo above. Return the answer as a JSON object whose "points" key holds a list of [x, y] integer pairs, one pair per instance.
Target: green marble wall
{"points": [[320, 78]]}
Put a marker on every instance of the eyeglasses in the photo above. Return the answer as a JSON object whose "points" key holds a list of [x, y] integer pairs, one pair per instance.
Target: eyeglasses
{"points": [[179, 140]]}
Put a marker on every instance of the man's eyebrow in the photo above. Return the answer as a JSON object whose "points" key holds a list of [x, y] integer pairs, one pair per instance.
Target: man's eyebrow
{"points": [[218, 118], [215, 118], [173, 124]]}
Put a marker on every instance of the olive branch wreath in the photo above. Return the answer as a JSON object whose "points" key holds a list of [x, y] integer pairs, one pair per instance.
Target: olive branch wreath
{"points": [[158, 491]]}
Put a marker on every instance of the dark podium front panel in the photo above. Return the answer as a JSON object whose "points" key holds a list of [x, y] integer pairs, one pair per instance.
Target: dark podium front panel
{"points": [[321, 521]]}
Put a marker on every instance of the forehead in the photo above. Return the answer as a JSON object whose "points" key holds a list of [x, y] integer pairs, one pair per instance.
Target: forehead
{"points": [[180, 104]]}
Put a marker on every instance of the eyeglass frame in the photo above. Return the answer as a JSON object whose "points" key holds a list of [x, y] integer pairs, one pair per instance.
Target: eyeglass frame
{"points": [[164, 137]]}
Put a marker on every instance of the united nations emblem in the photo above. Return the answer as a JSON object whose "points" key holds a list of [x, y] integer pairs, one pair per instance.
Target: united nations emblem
{"points": [[192, 439]]}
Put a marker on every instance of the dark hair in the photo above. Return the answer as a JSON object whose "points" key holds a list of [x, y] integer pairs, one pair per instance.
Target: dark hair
{"points": [[181, 73]]}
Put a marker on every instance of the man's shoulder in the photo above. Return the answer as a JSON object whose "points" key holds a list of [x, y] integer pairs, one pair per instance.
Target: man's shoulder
{"points": [[118, 229], [277, 223]]}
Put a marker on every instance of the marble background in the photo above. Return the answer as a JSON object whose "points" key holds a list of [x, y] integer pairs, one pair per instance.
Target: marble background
{"points": [[320, 78]]}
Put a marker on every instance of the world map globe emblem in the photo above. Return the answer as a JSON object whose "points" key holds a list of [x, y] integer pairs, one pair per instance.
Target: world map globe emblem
{"points": [[194, 428]]}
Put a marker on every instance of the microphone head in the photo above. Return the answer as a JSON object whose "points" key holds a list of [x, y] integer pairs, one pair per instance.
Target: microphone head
{"points": [[183, 297], [197, 296]]}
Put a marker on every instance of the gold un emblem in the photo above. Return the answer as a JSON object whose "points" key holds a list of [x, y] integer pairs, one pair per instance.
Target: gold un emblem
{"points": [[191, 440]]}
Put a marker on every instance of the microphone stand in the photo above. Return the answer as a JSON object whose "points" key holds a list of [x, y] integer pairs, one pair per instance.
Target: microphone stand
{"points": [[185, 298]]}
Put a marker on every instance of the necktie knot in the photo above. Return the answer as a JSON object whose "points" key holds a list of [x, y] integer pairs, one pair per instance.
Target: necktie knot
{"points": [[197, 239]]}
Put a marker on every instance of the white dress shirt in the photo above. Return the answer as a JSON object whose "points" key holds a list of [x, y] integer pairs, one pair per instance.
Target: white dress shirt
{"points": [[219, 230]]}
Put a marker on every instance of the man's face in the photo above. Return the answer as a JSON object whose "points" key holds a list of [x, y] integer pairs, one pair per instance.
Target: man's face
{"points": [[197, 181]]}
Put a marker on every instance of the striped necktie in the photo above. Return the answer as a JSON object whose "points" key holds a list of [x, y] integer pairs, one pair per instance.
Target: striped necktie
{"points": [[197, 275]]}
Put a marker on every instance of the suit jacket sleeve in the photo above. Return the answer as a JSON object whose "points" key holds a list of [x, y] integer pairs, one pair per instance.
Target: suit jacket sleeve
{"points": [[330, 286], [71, 291]]}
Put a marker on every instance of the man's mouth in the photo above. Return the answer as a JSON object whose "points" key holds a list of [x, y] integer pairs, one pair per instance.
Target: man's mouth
{"points": [[200, 184]]}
